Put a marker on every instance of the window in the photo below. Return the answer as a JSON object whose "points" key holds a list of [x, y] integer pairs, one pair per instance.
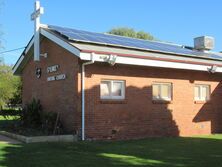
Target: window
{"points": [[112, 89], [202, 92], [162, 91]]}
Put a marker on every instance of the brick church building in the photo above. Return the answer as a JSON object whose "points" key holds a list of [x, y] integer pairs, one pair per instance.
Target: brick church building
{"points": [[111, 87]]}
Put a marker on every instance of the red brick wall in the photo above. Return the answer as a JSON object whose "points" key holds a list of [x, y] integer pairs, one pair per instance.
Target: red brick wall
{"points": [[56, 96], [135, 117], [138, 117]]}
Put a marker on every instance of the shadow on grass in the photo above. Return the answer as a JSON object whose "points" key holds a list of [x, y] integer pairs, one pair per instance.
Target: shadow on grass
{"points": [[154, 152]]}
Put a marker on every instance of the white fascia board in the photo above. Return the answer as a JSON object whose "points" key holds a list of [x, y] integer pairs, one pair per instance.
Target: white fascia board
{"points": [[18, 64], [29, 46], [60, 42], [149, 63]]}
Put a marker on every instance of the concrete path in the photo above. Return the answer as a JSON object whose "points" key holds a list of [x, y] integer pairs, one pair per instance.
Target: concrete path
{"points": [[4, 139]]}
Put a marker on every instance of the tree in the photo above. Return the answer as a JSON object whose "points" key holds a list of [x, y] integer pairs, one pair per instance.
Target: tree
{"points": [[130, 32], [144, 35], [16, 98], [10, 86]]}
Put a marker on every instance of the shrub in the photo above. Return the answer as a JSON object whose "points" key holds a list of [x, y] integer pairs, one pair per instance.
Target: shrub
{"points": [[32, 116], [50, 124]]}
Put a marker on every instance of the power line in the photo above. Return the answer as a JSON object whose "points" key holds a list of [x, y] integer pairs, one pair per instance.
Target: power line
{"points": [[12, 50]]}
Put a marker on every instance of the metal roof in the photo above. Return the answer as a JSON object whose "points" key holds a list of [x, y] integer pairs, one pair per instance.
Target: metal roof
{"points": [[131, 43]]}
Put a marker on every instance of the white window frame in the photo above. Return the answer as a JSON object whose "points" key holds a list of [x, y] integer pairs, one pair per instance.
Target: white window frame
{"points": [[159, 98], [200, 87], [111, 97]]}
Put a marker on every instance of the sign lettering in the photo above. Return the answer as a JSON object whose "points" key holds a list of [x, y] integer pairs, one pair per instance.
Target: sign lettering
{"points": [[56, 77], [52, 68]]}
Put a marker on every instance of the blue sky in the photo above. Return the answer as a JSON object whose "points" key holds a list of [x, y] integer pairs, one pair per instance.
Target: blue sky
{"points": [[176, 21]]}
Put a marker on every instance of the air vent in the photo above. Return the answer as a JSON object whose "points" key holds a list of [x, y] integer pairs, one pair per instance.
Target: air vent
{"points": [[204, 43]]}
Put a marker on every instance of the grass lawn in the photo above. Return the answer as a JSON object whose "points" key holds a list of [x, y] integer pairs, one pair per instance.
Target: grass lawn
{"points": [[8, 118], [155, 152]]}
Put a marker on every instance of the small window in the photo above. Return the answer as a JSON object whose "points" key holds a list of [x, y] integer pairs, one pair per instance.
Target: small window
{"points": [[112, 89], [202, 92], [162, 91]]}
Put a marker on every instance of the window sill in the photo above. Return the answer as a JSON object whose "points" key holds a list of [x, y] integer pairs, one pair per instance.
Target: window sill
{"points": [[113, 101], [201, 102], [162, 102]]}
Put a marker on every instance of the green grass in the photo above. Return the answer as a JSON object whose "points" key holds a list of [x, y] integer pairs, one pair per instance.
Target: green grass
{"points": [[8, 118], [202, 151]]}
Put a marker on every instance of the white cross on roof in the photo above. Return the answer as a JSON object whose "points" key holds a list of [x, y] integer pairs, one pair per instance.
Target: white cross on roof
{"points": [[36, 18]]}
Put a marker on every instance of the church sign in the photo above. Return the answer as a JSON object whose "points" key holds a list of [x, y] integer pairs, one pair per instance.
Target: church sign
{"points": [[56, 77], [52, 68]]}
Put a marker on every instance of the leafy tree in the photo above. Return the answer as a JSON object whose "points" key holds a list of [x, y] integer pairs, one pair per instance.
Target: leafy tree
{"points": [[130, 32], [10, 86], [17, 95], [144, 35]]}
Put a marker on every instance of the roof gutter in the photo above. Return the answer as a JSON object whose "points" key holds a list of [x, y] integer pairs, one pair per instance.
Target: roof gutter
{"points": [[155, 58], [83, 93]]}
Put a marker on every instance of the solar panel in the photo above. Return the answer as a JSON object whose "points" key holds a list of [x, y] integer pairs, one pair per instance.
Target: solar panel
{"points": [[107, 39], [71, 36]]}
